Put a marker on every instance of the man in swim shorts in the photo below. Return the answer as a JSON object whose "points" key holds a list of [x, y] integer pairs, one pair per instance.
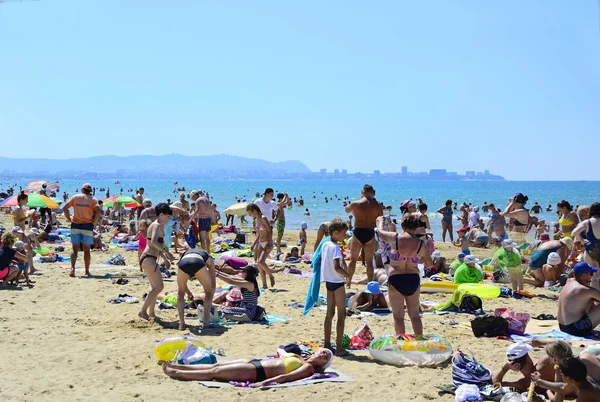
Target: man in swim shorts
{"points": [[365, 211], [577, 311], [86, 213], [139, 197], [203, 214], [283, 200]]}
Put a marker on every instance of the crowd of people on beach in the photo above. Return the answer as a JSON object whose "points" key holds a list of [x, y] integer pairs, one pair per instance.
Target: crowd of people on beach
{"points": [[397, 252]]}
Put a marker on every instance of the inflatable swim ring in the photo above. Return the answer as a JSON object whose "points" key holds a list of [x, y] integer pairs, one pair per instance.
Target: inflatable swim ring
{"points": [[168, 348], [482, 290], [438, 287], [427, 350], [42, 251]]}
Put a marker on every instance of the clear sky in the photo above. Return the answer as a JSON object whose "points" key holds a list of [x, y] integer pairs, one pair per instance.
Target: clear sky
{"points": [[512, 86]]}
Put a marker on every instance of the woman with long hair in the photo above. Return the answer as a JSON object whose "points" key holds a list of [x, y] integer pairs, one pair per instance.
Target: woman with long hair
{"points": [[263, 245], [568, 219]]}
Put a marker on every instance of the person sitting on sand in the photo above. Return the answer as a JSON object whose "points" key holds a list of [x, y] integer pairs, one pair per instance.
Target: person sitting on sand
{"points": [[293, 253], [404, 274], [155, 249], [548, 377], [302, 237], [368, 299], [562, 247], [439, 262], [460, 259], [8, 270], [578, 313], [587, 233], [548, 275], [519, 361], [468, 271], [260, 372], [22, 263], [463, 240], [246, 281], [192, 264], [575, 374]]}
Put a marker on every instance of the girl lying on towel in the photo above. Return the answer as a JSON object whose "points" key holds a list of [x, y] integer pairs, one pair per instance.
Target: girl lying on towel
{"points": [[289, 368]]}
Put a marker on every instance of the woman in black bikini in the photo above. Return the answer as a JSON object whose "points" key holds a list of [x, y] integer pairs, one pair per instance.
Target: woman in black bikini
{"points": [[149, 260], [516, 212], [404, 276], [196, 263]]}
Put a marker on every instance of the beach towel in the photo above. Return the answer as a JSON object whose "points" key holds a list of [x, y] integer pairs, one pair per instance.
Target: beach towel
{"points": [[330, 375], [315, 284], [268, 319], [554, 334], [456, 301]]}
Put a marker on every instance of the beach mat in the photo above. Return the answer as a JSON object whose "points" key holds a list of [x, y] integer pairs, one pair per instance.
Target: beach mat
{"points": [[338, 376], [269, 319], [106, 267]]}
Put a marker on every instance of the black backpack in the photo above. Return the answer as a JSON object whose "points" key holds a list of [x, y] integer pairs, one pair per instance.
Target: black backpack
{"points": [[470, 304], [489, 326]]}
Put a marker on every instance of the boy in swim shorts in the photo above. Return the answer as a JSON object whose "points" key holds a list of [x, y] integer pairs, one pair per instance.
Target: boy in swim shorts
{"points": [[302, 236], [334, 273], [22, 258]]}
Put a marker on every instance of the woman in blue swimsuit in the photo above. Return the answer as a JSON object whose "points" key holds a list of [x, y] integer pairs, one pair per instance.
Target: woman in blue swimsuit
{"points": [[404, 276], [447, 212]]}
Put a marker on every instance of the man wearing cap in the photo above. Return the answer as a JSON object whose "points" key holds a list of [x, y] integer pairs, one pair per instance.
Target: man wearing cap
{"points": [[203, 216], [518, 358], [368, 299], [86, 213], [468, 272], [578, 313]]}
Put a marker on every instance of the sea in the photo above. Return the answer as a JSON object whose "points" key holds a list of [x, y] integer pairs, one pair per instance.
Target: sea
{"points": [[391, 192]]}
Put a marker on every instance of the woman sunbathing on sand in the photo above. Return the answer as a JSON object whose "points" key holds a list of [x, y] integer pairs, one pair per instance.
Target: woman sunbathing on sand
{"points": [[261, 372], [149, 260]]}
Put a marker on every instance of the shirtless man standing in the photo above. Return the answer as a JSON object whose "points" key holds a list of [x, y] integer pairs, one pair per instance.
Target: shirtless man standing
{"points": [[577, 311], [365, 211], [203, 213], [139, 197]]}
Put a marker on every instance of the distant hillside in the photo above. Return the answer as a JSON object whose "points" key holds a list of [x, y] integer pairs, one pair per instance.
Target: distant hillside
{"points": [[222, 165]]}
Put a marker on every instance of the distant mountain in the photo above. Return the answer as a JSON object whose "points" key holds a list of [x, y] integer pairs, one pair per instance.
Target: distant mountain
{"points": [[150, 165]]}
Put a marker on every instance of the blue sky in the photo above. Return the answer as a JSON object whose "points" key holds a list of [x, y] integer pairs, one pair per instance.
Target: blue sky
{"points": [[511, 86]]}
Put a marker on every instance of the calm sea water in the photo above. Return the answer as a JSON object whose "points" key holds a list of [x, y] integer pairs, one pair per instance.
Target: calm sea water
{"points": [[225, 193]]}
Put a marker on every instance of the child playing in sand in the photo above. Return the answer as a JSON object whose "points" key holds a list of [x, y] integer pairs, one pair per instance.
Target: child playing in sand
{"points": [[334, 273], [22, 257], [302, 236], [463, 240]]}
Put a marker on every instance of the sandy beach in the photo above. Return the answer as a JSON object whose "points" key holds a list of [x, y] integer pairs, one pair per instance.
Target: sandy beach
{"points": [[62, 340]]}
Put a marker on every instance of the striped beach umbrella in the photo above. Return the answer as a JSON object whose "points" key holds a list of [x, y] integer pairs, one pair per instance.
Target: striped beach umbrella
{"points": [[33, 201]]}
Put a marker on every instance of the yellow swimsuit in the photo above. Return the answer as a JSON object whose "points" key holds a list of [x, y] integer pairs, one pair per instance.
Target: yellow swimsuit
{"points": [[566, 222], [291, 363]]}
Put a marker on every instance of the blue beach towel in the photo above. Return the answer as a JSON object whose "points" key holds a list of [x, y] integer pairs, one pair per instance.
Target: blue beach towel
{"points": [[312, 296]]}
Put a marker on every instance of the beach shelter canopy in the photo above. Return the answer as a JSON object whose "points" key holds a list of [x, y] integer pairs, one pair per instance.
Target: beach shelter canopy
{"points": [[37, 183], [33, 201], [123, 199], [238, 209]]}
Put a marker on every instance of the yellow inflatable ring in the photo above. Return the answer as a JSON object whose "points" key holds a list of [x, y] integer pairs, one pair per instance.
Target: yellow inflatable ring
{"points": [[481, 289], [167, 349]]}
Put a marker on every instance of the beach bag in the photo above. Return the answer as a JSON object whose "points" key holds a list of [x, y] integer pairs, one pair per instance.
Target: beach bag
{"points": [[260, 314], [517, 322], [240, 238], [489, 326], [467, 370], [470, 304], [362, 336], [501, 275]]}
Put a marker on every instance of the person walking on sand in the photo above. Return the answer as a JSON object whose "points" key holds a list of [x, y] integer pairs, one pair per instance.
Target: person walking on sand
{"points": [[365, 211], [86, 213], [203, 215], [283, 200]]}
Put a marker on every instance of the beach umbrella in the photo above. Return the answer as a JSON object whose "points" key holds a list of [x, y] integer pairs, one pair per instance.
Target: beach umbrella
{"points": [[33, 201], [123, 199], [238, 209], [37, 183]]}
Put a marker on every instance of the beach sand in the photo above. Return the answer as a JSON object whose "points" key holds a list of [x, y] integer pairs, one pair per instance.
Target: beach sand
{"points": [[61, 340]]}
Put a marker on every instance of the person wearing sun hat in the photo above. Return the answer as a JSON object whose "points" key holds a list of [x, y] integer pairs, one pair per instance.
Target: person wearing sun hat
{"points": [[518, 360], [460, 259], [468, 272], [368, 299], [578, 312], [507, 258]]}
